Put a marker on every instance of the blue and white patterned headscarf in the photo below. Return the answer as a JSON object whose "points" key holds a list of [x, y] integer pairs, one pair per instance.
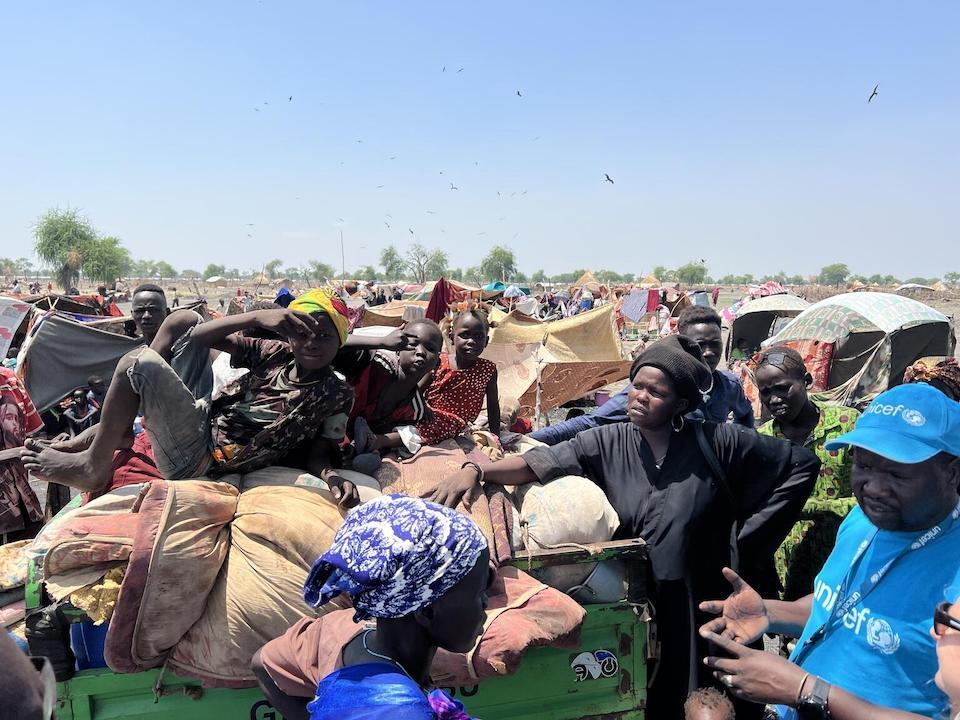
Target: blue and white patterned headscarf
{"points": [[395, 555]]}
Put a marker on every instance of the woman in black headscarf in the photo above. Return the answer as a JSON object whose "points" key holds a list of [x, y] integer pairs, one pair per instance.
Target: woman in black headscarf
{"points": [[686, 488]]}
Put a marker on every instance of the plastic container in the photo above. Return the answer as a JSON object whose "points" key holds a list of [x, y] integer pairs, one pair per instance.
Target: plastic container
{"points": [[87, 641]]}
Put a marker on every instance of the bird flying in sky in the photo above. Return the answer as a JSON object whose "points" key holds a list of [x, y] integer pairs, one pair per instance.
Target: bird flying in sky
{"points": [[608, 178], [874, 93]]}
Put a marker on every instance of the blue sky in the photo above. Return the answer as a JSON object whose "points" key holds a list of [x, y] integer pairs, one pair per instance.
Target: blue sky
{"points": [[735, 132]]}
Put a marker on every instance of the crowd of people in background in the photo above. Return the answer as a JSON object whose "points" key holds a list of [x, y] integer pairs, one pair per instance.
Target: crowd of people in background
{"points": [[801, 563]]}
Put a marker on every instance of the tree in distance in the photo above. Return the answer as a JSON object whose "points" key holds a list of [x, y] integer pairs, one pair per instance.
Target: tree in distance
{"points": [[834, 275], [425, 264], [62, 240], [499, 264]]}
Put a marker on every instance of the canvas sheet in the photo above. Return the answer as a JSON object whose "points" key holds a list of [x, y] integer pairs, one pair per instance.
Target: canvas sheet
{"points": [[62, 354], [587, 337]]}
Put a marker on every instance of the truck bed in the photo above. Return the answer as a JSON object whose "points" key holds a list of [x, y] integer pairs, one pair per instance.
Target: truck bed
{"points": [[605, 678]]}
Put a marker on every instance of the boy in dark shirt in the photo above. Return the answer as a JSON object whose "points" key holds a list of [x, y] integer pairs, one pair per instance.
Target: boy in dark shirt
{"points": [[278, 407]]}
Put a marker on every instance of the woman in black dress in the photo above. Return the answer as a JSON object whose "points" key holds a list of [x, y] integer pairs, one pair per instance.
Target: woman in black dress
{"points": [[686, 488]]}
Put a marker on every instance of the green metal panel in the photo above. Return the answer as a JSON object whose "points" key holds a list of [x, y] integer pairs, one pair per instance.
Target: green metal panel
{"points": [[547, 685]]}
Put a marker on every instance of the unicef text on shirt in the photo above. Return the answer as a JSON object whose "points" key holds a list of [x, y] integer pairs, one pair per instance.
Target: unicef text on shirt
{"points": [[827, 597], [911, 416]]}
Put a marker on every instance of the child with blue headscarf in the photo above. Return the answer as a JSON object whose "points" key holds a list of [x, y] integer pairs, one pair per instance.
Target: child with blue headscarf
{"points": [[420, 571]]}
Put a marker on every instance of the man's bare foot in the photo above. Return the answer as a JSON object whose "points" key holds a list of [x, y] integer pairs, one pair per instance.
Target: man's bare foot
{"points": [[75, 469], [75, 444]]}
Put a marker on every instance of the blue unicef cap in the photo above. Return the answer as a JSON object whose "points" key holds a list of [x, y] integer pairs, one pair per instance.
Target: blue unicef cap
{"points": [[908, 424]]}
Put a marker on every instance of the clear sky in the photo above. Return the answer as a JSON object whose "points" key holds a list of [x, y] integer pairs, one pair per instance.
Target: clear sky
{"points": [[736, 132]]}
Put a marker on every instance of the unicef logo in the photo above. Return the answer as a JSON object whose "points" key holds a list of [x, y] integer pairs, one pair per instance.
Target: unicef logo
{"points": [[882, 637], [913, 417]]}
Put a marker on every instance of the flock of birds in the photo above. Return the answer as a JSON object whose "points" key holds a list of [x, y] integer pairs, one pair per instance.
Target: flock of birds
{"points": [[453, 187]]}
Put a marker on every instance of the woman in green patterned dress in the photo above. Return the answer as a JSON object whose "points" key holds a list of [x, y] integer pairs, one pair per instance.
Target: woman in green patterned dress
{"points": [[782, 381]]}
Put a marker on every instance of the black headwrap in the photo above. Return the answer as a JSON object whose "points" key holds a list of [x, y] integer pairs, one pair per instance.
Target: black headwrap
{"points": [[679, 357]]}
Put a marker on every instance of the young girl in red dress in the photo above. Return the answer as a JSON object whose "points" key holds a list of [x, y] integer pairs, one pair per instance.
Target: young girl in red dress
{"points": [[462, 382]]}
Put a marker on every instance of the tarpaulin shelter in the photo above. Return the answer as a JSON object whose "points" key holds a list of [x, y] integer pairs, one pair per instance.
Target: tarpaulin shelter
{"points": [[857, 345], [574, 356], [394, 313], [768, 288], [78, 304], [61, 354], [426, 290], [915, 290], [756, 320]]}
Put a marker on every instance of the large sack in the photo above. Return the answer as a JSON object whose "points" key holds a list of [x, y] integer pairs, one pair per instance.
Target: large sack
{"points": [[565, 512], [570, 509], [79, 547], [277, 534], [179, 548]]}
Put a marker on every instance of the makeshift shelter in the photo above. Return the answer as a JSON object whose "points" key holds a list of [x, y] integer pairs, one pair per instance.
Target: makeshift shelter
{"points": [[940, 287], [588, 281], [77, 304], [650, 281], [394, 313], [857, 345], [426, 290], [915, 290], [757, 320], [570, 357], [62, 353], [217, 280]]}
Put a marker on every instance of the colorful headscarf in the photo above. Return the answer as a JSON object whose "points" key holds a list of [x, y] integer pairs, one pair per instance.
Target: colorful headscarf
{"points": [[395, 555], [324, 301]]}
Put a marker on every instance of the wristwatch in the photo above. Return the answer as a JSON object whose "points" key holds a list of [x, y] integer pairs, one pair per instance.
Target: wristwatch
{"points": [[813, 705]]}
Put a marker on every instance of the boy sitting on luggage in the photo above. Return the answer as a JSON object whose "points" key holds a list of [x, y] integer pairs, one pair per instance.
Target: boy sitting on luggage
{"points": [[279, 406], [389, 376]]}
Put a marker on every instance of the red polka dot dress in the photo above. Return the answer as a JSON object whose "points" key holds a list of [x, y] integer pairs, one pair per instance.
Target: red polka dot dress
{"points": [[456, 399]]}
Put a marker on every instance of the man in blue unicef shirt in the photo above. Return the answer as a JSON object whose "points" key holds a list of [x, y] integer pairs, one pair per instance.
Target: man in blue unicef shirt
{"points": [[726, 397], [864, 645]]}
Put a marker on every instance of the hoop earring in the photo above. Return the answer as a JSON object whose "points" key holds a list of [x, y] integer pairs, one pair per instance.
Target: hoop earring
{"points": [[673, 423]]}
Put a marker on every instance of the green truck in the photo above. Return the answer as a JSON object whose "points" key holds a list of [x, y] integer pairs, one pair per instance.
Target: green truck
{"points": [[603, 679]]}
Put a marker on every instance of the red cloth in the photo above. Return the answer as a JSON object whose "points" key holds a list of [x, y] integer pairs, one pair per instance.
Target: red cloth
{"points": [[456, 399], [130, 467], [522, 425], [440, 299], [653, 300]]}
